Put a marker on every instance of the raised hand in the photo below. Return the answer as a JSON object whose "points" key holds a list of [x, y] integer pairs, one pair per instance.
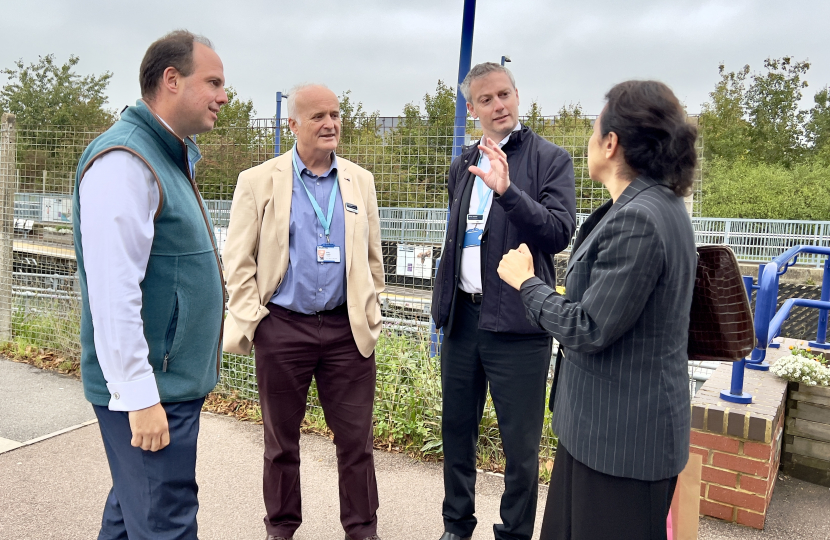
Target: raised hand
{"points": [[498, 177]]}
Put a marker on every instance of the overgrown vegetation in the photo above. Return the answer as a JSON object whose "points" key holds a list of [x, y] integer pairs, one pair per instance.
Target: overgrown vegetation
{"points": [[765, 157]]}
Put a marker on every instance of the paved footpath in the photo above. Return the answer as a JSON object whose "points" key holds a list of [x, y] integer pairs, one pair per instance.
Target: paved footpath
{"points": [[54, 487]]}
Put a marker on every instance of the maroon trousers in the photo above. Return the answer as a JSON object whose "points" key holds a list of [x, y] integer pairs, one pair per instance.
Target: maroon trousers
{"points": [[290, 348]]}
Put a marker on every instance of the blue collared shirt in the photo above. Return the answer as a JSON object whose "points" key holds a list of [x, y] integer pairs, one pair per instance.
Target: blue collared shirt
{"points": [[309, 286]]}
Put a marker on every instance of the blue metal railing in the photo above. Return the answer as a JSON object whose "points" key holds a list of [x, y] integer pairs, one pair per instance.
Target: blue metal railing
{"points": [[768, 321]]}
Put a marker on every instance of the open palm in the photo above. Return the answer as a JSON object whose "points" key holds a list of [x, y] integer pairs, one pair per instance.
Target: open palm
{"points": [[498, 177]]}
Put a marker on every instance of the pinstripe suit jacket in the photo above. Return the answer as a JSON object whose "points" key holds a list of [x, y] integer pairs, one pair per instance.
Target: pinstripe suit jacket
{"points": [[621, 403]]}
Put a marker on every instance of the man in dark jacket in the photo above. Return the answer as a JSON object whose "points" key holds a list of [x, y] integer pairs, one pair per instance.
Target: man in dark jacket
{"points": [[488, 341]]}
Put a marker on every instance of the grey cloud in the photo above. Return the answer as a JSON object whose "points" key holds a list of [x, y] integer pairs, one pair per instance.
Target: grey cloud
{"points": [[389, 53]]}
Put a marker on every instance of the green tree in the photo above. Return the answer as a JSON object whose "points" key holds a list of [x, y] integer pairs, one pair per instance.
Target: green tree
{"points": [[418, 153], [772, 108], [818, 126], [234, 144], [724, 128], [534, 119], [58, 113], [45, 93]]}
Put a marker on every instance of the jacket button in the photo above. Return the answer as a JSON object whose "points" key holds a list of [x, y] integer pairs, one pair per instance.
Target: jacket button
{"points": [[450, 240]]}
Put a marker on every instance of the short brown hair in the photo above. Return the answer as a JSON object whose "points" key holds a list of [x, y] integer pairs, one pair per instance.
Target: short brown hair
{"points": [[173, 50], [651, 126]]}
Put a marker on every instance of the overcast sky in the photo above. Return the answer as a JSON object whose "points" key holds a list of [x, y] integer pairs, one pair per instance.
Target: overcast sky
{"points": [[391, 53]]}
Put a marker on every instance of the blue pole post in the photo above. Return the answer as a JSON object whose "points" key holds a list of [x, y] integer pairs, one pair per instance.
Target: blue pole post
{"points": [[277, 127], [736, 394], [465, 61], [821, 334]]}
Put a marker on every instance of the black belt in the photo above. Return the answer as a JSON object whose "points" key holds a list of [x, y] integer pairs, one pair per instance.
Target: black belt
{"points": [[342, 308], [475, 298]]}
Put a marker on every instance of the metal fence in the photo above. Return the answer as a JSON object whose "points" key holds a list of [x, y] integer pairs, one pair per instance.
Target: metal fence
{"points": [[409, 157]]}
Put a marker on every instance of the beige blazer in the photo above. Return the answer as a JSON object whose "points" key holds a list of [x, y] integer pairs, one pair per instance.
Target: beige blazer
{"points": [[256, 250]]}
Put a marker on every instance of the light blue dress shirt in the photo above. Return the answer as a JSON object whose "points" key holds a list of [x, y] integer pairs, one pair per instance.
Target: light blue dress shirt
{"points": [[309, 286]]}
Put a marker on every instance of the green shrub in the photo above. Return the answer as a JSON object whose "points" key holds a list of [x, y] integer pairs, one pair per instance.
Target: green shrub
{"points": [[739, 189]]}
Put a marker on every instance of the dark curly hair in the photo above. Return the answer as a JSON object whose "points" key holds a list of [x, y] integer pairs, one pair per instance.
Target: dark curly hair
{"points": [[651, 126]]}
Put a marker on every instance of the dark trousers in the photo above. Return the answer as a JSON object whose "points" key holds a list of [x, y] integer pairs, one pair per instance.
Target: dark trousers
{"points": [[584, 504], [153, 495], [515, 367], [290, 349]]}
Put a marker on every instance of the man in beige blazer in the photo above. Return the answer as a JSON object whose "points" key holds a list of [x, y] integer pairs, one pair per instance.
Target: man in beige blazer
{"points": [[304, 273]]}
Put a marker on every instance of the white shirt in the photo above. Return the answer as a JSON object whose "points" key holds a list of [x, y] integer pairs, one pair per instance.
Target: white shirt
{"points": [[470, 279], [119, 197]]}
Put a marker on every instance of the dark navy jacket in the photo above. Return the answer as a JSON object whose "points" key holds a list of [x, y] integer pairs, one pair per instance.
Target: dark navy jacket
{"points": [[539, 209]]}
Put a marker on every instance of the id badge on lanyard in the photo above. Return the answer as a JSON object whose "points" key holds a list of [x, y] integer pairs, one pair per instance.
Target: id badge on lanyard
{"points": [[328, 252], [472, 238]]}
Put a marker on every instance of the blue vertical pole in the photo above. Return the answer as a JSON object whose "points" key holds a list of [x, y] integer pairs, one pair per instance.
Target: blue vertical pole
{"points": [[465, 61], [821, 334], [736, 393], [278, 128]]}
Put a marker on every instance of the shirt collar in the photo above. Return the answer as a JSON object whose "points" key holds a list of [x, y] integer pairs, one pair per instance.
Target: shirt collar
{"points": [[504, 141], [306, 170]]}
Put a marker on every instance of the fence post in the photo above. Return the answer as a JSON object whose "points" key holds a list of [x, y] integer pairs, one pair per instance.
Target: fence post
{"points": [[689, 200], [8, 160]]}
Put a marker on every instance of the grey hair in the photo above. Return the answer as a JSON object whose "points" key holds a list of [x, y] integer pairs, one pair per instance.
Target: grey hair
{"points": [[482, 70], [292, 98]]}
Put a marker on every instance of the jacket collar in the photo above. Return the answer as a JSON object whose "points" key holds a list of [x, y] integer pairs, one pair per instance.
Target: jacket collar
{"points": [[514, 142], [183, 152], [601, 215]]}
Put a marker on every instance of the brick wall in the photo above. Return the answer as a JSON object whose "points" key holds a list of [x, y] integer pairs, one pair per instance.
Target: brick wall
{"points": [[740, 444]]}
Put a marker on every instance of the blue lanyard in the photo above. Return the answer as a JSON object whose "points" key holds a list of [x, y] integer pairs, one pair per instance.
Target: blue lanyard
{"points": [[324, 221], [483, 196]]}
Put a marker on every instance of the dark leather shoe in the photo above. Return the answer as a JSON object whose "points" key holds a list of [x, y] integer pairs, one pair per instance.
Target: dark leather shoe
{"points": [[451, 536], [272, 537], [373, 537]]}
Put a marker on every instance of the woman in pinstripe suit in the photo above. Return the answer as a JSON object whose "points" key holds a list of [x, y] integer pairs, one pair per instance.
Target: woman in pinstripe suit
{"points": [[620, 395]]}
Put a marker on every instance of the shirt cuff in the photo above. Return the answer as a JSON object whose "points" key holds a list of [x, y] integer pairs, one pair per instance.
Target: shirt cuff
{"points": [[134, 395], [510, 198]]}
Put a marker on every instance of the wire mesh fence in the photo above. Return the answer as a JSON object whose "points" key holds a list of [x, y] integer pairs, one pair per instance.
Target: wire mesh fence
{"points": [[409, 157]]}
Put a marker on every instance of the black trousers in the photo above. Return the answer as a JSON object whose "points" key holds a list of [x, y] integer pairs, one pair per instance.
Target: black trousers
{"points": [[515, 368], [153, 495], [584, 504]]}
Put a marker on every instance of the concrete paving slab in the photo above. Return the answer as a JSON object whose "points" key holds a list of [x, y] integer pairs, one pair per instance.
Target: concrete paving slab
{"points": [[798, 511], [37, 402], [55, 487], [64, 480]]}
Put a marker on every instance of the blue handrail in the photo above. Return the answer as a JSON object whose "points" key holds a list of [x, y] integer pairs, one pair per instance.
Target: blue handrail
{"points": [[767, 322]]}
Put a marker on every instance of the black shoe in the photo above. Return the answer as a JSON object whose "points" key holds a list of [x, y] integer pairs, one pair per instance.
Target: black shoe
{"points": [[272, 537], [373, 537], [451, 536]]}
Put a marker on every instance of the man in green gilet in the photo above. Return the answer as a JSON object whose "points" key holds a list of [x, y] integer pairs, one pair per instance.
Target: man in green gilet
{"points": [[152, 290]]}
